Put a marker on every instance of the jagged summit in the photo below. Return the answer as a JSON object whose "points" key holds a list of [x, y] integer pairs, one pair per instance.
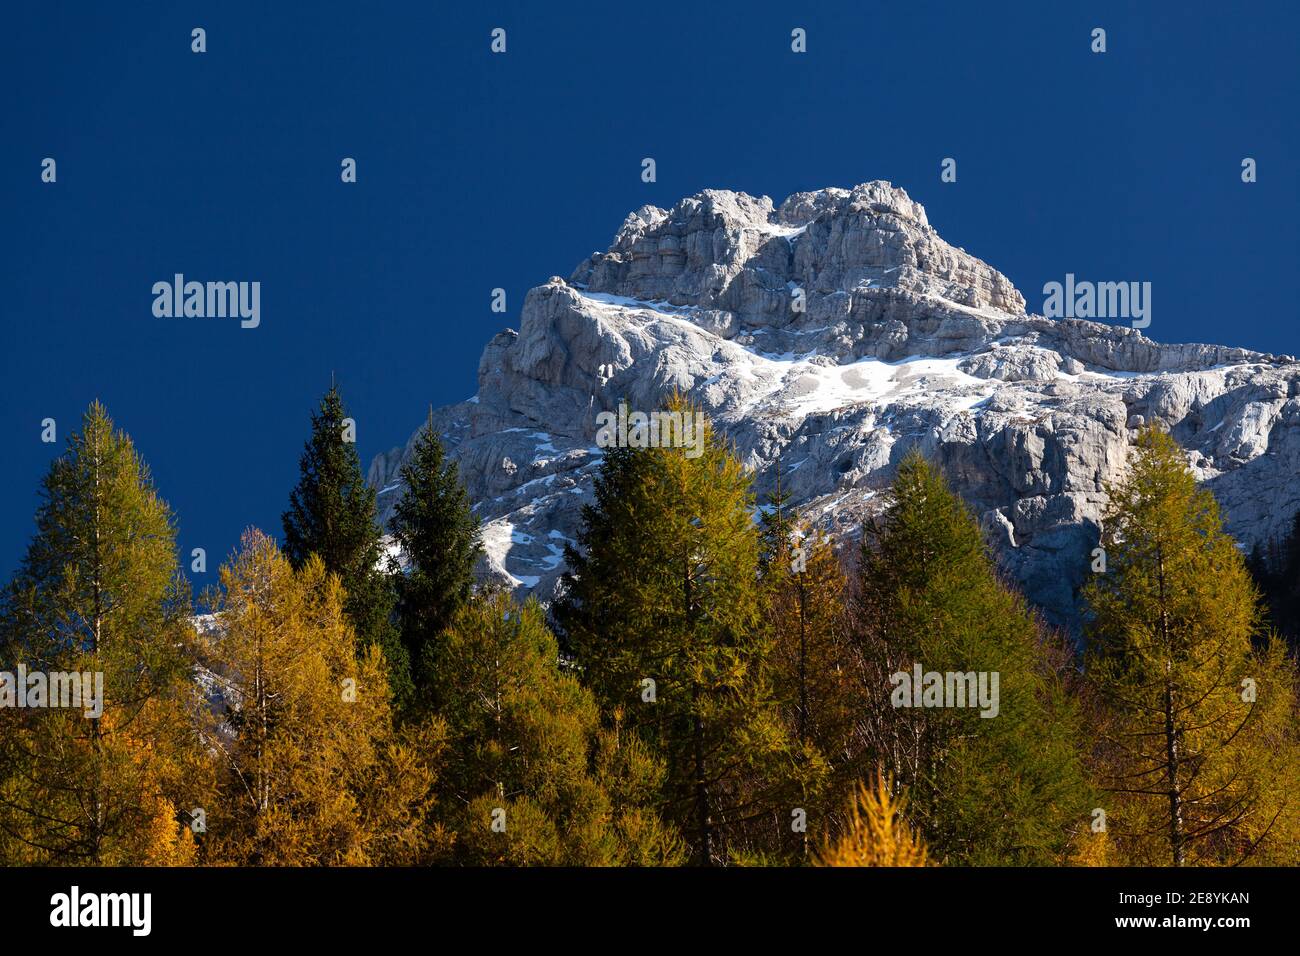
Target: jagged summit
{"points": [[728, 251], [901, 340]]}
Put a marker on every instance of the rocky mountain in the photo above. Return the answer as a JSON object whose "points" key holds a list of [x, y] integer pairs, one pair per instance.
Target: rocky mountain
{"points": [[834, 332]]}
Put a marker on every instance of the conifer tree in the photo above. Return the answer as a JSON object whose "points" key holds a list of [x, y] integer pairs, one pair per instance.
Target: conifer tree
{"points": [[1274, 565], [332, 514], [312, 771], [1202, 755], [777, 523], [664, 612], [532, 779], [1005, 789], [877, 833], [439, 535], [98, 594]]}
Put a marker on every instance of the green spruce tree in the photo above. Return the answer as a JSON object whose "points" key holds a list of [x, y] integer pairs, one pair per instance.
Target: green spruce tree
{"points": [[332, 514], [439, 536]]}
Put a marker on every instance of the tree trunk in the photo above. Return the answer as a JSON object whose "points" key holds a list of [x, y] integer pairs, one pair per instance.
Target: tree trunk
{"points": [[96, 739], [1172, 755]]}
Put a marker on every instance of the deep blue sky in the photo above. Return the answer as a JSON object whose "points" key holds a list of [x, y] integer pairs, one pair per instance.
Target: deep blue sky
{"points": [[477, 171]]}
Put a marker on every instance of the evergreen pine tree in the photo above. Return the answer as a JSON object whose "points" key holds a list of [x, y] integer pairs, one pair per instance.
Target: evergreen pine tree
{"points": [[98, 593], [332, 514], [1005, 789], [439, 535], [663, 609], [1202, 754]]}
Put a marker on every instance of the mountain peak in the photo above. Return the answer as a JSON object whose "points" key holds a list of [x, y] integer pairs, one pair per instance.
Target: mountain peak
{"points": [[833, 333], [740, 254]]}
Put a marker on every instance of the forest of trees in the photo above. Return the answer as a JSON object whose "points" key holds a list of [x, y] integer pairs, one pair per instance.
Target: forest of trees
{"points": [[717, 684]]}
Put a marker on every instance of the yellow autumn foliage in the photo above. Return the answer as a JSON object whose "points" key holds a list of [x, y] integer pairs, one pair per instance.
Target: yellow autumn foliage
{"points": [[878, 833]]}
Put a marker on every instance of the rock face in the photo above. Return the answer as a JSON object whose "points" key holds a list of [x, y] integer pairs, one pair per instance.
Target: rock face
{"points": [[835, 332]]}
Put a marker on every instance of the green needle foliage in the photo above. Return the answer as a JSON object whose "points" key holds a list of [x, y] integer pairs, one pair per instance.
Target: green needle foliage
{"points": [[439, 535], [664, 611], [1000, 790], [332, 514], [1275, 566], [532, 778]]}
